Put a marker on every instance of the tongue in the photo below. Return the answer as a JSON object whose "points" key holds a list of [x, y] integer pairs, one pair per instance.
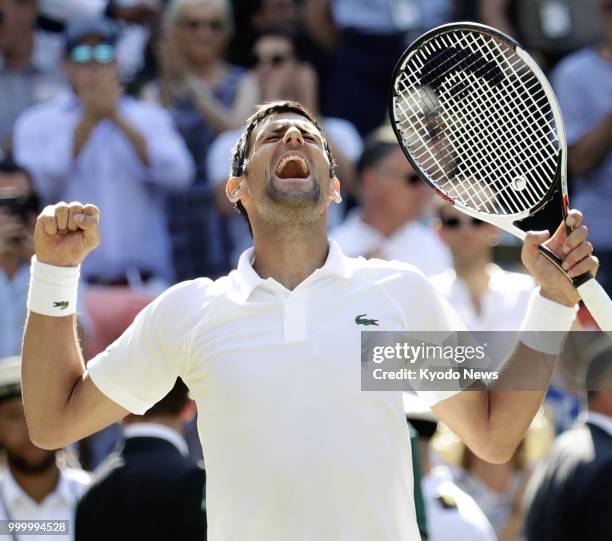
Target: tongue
{"points": [[292, 169]]}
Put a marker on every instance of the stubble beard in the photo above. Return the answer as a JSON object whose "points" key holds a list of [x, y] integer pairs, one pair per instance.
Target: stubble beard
{"points": [[292, 212], [22, 465]]}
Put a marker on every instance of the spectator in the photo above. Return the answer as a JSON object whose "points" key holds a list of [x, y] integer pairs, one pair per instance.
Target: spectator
{"points": [[569, 495], [137, 18], [94, 144], [33, 485], [486, 297], [205, 96], [393, 200], [451, 513], [29, 63], [281, 75], [367, 38], [19, 206], [583, 82], [149, 489], [549, 30]]}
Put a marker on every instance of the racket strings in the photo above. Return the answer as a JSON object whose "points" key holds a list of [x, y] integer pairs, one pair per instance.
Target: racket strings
{"points": [[478, 123]]}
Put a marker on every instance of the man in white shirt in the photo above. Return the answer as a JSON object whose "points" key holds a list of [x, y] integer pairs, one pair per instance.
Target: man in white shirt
{"points": [[272, 354], [393, 201], [32, 486], [486, 297]]}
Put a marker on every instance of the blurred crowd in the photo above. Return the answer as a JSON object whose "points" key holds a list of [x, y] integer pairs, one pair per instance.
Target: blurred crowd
{"points": [[135, 106]]}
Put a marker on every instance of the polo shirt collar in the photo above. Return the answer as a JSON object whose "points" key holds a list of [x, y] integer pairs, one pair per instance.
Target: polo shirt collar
{"points": [[15, 495], [155, 430], [336, 264]]}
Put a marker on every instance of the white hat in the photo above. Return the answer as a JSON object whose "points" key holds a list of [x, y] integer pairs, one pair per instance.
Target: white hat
{"points": [[416, 409], [10, 376]]}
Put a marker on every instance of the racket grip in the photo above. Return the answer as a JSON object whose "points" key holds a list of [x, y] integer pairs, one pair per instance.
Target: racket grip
{"points": [[597, 302]]}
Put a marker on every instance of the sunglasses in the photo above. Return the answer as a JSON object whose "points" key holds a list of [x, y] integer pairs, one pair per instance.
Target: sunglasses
{"points": [[214, 25], [83, 54], [274, 60], [411, 179], [456, 223]]}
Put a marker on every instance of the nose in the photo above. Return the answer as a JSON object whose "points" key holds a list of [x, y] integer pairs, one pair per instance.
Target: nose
{"points": [[293, 137]]}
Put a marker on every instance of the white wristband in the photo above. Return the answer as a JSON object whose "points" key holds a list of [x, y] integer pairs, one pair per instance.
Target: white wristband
{"points": [[53, 290], [546, 324]]}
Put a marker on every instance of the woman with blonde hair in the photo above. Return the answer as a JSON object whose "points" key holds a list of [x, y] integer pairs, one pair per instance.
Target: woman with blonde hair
{"points": [[205, 96]]}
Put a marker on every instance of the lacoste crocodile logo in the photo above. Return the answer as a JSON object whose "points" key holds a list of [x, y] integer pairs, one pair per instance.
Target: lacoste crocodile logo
{"points": [[361, 320], [62, 305]]}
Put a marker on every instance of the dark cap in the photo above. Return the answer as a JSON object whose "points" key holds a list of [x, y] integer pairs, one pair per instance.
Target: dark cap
{"points": [[83, 27]]}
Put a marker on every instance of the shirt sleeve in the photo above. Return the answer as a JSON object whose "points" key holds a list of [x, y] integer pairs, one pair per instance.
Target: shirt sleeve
{"points": [[170, 163], [142, 365], [43, 144], [568, 83], [427, 310]]}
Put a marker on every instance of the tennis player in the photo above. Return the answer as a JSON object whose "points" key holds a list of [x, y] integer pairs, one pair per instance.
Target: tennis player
{"points": [[294, 450]]}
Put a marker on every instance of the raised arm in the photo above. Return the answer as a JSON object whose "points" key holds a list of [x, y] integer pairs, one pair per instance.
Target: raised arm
{"points": [[61, 402], [493, 422]]}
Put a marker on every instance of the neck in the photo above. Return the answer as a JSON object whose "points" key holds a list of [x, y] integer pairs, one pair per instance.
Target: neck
{"points": [[18, 55], [476, 275], [290, 258], [385, 224], [494, 476], [205, 69], [37, 485], [10, 263]]}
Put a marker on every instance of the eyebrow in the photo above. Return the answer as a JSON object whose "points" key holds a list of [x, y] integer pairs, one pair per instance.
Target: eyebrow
{"points": [[279, 126]]}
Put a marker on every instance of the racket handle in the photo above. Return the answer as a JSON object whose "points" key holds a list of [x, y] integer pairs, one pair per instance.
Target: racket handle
{"points": [[597, 302], [592, 294]]}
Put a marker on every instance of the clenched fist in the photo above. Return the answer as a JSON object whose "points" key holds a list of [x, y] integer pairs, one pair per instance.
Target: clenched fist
{"points": [[66, 233]]}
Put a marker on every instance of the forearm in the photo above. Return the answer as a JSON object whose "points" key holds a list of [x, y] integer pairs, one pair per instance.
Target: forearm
{"points": [[52, 367], [135, 137], [83, 131], [517, 395], [218, 118], [590, 151]]}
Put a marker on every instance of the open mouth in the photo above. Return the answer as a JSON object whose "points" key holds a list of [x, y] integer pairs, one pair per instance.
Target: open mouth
{"points": [[292, 166]]}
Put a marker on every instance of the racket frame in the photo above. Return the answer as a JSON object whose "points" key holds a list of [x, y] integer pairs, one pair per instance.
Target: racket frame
{"points": [[506, 222]]}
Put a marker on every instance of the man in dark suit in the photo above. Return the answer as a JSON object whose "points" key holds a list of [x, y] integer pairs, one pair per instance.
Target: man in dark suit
{"points": [[149, 489], [570, 494]]}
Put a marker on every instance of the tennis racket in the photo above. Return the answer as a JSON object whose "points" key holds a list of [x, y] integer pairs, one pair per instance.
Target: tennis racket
{"points": [[480, 124]]}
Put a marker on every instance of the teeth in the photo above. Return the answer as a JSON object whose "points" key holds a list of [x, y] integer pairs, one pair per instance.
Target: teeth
{"points": [[298, 159]]}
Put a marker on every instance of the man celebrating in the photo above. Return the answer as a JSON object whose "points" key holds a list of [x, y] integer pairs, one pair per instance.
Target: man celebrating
{"points": [[271, 353]]}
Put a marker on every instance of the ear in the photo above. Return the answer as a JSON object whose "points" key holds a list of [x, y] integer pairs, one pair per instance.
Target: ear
{"points": [[235, 188], [436, 225], [334, 190], [189, 411]]}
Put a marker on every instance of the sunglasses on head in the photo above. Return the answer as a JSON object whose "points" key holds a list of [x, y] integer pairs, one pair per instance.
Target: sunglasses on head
{"points": [[274, 60], [456, 223], [103, 53], [214, 25]]}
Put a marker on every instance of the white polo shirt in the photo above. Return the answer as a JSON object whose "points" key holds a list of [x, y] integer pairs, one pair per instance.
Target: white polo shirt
{"points": [[414, 243], [294, 450], [504, 303]]}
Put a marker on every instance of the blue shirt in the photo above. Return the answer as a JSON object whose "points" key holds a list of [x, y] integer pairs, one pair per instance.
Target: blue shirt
{"points": [[13, 299], [13, 310], [109, 173], [583, 84]]}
